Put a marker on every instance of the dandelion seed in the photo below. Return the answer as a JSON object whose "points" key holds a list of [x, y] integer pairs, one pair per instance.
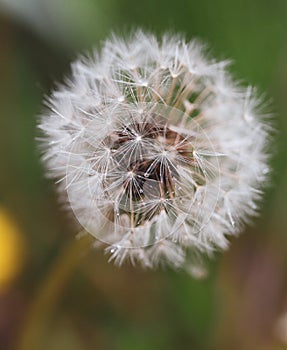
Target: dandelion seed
{"points": [[162, 156]]}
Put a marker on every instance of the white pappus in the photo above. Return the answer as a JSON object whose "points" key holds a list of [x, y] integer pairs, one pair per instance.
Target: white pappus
{"points": [[160, 155]]}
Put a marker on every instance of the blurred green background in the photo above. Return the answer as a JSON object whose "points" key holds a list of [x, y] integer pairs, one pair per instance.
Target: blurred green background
{"points": [[242, 304]]}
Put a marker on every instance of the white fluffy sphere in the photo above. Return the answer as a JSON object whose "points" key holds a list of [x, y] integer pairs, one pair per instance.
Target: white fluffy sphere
{"points": [[161, 155]]}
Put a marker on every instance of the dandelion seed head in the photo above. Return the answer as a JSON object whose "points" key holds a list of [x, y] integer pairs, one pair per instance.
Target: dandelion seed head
{"points": [[160, 154]]}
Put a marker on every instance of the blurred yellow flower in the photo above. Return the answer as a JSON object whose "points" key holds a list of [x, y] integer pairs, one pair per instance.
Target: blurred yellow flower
{"points": [[11, 249]]}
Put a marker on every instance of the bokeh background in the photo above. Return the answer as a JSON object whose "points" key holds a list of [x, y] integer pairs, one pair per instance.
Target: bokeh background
{"points": [[88, 303]]}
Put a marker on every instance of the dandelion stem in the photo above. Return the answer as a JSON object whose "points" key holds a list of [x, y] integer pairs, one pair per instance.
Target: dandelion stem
{"points": [[50, 293]]}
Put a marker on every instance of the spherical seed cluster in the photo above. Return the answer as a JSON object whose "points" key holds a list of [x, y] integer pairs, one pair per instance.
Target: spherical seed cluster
{"points": [[160, 153]]}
